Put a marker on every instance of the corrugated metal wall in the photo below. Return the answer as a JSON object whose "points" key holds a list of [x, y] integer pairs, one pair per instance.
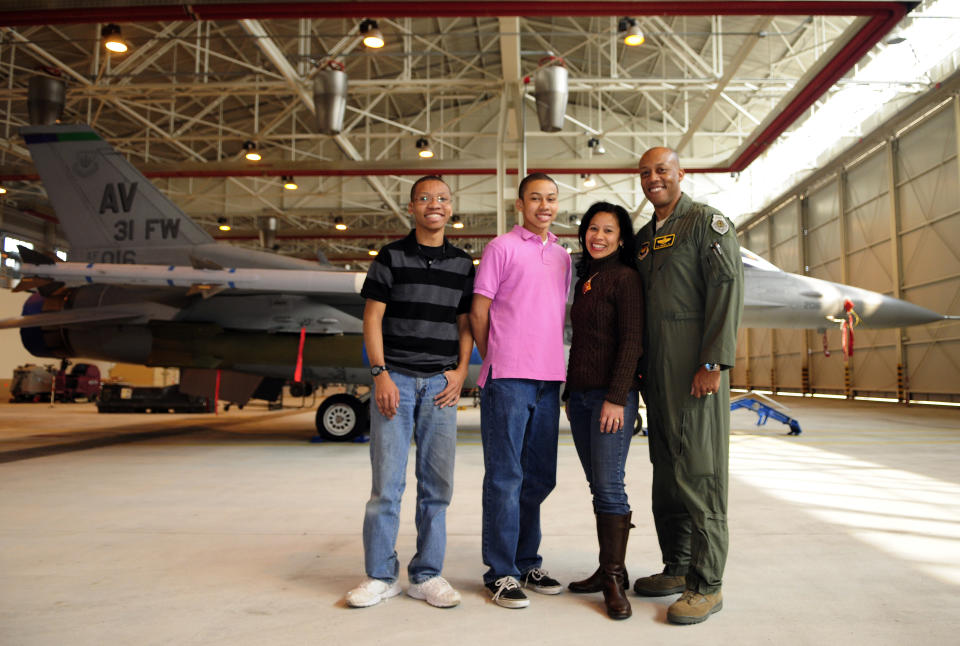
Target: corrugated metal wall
{"points": [[885, 219]]}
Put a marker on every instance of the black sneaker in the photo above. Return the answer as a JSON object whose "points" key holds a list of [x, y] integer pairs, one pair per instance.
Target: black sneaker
{"points": [[506, 592], [540, 581]]}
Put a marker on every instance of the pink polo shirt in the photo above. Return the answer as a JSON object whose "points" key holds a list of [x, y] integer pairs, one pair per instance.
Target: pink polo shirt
{"points": [[527, 282]]}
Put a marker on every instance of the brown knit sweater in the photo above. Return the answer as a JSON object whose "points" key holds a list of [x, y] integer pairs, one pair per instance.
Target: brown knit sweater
{"points": [[607, 324]]}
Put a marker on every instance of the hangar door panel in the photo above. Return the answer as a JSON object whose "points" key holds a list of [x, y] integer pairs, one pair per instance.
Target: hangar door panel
{"points": [[823, 232], [867, 206], [929, 209], [787, 346]]}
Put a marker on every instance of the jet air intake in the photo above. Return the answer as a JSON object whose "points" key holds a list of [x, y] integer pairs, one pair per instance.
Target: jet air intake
{"points": [[46, 96], [330, 98], [551, 93]]}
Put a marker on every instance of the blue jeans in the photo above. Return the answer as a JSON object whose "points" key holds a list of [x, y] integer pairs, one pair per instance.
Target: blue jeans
{"points": [[435, 432], [519, 421], [603, 455]]}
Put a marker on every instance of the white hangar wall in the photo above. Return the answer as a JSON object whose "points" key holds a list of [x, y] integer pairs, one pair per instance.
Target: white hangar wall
{"points": [[884, 216]]}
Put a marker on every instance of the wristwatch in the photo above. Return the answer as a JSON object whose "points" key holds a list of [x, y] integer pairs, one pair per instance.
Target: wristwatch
{"points": [[376, 370], [712, 367]]}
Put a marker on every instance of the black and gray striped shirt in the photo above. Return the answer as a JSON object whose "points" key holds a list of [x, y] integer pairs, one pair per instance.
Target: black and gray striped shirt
{"points": [[424, 289]]}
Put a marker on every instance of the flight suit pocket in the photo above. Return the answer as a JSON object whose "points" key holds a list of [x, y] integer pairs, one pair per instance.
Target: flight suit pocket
{"points": [[696, 440], [719, 266]]}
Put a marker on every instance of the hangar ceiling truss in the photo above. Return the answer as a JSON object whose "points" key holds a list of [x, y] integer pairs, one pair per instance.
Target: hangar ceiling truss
{"points": [[717, 80]]}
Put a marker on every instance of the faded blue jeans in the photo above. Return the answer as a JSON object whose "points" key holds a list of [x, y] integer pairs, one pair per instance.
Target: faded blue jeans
{"points": [[603, 455], [519, 422], [435, 432]]}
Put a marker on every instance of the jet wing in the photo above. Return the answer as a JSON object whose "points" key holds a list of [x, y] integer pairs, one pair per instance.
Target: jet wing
{"points": [[73, 317], [121, 312]]}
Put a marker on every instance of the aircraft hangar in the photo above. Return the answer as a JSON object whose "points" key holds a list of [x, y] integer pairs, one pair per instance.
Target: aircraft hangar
{"points": [[829, 131]]}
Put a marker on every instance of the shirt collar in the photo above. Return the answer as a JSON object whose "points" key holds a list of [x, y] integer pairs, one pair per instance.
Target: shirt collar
{"points": [[412, 247], [526, 234], [678, 210]]}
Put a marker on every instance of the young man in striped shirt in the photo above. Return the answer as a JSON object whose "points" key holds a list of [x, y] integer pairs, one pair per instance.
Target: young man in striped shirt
{"points": [[416, 330]]}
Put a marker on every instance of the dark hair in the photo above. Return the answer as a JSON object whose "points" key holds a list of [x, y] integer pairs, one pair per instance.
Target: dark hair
{"points": [[627, 253], [532, 177], [425, 178]]}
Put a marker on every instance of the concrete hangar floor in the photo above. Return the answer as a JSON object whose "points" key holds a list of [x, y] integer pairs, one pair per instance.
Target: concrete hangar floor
{"points": [[235, 530]]}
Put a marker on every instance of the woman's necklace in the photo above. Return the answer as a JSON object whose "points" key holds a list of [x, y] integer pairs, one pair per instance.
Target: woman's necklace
{"points": [[587, 286]]}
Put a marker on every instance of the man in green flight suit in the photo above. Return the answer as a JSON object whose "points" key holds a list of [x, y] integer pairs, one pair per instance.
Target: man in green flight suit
{"points": [[689, 261]]}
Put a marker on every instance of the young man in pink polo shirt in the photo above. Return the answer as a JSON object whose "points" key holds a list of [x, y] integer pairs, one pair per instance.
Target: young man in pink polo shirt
{"points": [[519, 303]]}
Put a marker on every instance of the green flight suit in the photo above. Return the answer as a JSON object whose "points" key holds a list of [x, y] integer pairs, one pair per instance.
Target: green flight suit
{"points": [[693, 286]]}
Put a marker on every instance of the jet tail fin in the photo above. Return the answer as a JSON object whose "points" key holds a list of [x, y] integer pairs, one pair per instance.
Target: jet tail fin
{"points": [[108, 210]]}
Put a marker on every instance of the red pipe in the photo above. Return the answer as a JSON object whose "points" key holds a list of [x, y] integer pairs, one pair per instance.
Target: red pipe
{"points": [[439, 8]]}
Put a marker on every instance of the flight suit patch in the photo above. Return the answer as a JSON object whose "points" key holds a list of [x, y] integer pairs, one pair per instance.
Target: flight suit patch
{"points": [[644, 250], [719, 224], [664, 241]]}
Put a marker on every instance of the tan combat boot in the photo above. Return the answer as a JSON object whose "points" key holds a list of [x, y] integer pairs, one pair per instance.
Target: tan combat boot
{"points": [[693, 607], [659, 585]]}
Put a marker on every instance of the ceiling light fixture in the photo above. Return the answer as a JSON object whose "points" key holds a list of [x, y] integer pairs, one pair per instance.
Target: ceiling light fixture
{"points": [[338, 224], [3, 191], [423, 146], [372, 250], [594, 144], [251, 148], [456, 222], [289, 184], [372, 36], [588, 181], [222, 224], [634, 35], [113, 39]]}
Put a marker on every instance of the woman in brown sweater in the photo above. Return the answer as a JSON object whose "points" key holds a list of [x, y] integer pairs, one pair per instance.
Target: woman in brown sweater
{"points": [[602, 384]]}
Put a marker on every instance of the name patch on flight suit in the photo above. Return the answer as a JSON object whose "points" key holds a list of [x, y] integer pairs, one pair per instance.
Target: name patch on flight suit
{"points": [[664, 241], [644, 250]]}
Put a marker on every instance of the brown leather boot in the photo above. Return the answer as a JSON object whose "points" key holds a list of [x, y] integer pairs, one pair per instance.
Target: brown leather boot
{"points": [[594, 582], [613, 530]]}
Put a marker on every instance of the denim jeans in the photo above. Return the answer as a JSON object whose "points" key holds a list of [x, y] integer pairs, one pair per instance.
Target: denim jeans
{"points": [[435, 432], [603, 455], [519, 420]]}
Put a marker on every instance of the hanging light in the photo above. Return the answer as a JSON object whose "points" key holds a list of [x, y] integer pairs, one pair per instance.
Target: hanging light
{"points": [[251, 148], [476, 261], [372, 250], [3, 191], [456, 222], [289, 184], [634, 35], [338, 224], [588, 181], [372, 36], [594, 144], [113, 39], [222, 224], [423, 146]]}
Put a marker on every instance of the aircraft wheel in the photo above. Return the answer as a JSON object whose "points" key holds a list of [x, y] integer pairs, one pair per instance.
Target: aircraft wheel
{"points": [[341, 418]]}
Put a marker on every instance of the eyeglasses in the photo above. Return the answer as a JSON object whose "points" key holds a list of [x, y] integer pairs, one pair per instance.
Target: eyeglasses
{"points": [[427, 198]]}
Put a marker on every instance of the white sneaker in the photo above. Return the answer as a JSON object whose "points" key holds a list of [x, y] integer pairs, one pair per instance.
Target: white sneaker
{"points": [[371, 592], [436, 591]]}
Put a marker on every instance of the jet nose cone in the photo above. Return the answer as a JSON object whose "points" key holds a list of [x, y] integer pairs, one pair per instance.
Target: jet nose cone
{"points": [[890, 312]]}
